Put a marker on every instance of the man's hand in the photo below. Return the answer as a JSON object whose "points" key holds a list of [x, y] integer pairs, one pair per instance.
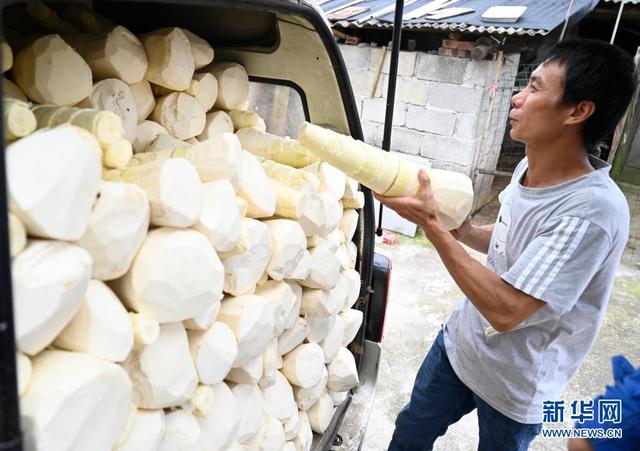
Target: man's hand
{"points": [[465, 229], [421, 208]]}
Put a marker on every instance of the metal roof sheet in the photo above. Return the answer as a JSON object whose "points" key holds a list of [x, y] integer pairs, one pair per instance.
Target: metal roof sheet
{"points": [[540, 18]]}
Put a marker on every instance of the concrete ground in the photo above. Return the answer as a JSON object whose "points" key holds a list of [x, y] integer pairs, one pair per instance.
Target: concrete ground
{"points": [[422, 295]]}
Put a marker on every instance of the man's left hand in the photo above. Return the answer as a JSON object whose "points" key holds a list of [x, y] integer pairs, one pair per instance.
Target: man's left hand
{"points": [[421, 208]]}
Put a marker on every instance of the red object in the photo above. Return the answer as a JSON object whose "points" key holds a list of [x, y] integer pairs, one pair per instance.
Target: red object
{"points": [[352, 40], [389, 238]]}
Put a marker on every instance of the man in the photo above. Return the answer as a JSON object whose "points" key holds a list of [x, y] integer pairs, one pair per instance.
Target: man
{"points": [[532, 313]]}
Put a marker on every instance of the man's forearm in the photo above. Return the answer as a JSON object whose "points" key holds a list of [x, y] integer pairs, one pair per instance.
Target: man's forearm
{"points": [[477, 237], [500, 303]]}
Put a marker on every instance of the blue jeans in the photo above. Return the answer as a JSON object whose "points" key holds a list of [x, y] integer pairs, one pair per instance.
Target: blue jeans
{"points": [[440, 399]]}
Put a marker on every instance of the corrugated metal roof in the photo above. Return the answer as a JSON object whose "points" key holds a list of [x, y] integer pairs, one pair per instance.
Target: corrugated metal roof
{"points": [[540, 18], [633, 2]]}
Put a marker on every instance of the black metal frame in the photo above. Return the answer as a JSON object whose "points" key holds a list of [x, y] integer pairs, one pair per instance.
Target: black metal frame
{"points": [[10, 432], [391, 89], [288, 84]]}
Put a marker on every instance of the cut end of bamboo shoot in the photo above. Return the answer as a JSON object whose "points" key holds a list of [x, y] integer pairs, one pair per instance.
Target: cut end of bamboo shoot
{"points": [[49, 71]]}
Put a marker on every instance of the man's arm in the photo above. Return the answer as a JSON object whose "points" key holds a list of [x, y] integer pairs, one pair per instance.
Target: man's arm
{"points": [[501, 304], [474, 236]]}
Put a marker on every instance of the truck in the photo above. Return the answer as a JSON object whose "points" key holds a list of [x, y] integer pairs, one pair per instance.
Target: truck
{"points": [[296, 74]]}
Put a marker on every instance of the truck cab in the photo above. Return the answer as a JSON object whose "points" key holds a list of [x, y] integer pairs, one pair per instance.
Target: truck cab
{"points": [[296, 73]]}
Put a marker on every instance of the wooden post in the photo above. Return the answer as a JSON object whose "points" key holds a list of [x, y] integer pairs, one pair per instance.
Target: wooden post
{"points": [[378, 71]]}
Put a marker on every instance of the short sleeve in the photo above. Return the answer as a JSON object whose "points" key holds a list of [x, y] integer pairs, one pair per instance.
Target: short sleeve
{"points": [[559, 263]]}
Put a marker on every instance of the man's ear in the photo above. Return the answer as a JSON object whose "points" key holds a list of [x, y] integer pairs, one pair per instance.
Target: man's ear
{"points": [[581, 112]]}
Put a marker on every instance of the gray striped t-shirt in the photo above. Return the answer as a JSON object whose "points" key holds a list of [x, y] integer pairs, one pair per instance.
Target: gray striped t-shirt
{"points": [[561, 244]]}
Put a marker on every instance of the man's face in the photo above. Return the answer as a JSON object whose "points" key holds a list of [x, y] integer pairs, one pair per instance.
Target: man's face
{"points": [[537, 115]]}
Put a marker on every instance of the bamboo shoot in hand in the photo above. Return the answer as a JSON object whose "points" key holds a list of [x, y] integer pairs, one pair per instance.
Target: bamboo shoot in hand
{"points": [[388, 175]]}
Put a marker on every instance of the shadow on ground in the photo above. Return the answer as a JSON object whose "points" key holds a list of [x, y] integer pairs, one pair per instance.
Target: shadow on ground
{"points": [[422, 295]]}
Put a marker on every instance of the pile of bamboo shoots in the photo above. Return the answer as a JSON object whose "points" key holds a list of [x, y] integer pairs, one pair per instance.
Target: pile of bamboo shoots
{"points": [[182, 278]]}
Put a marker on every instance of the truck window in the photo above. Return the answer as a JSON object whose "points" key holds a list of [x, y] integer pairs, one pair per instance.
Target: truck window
{"points": [[281, 107]]}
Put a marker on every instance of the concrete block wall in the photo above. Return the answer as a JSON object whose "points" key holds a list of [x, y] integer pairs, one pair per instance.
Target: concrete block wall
{"points": [[441, 107]]}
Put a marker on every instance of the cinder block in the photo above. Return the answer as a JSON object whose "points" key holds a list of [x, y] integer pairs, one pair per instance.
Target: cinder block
{"points": [[510, 71], [355, 57], [372, 132], [452, 150], [467, 126], [406, 61], [359, 100], [417, 159], [411, 90], [482, 190], [479, 73], [374, 110], [431, 121], [439, 164], [441, 68], [447, 96], [383, 86], [406, 141], [408, 89], [361, 82]]}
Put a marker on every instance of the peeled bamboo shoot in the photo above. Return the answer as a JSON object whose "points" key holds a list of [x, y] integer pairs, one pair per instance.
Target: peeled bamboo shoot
{"points": [[115, 54], [170, 58], [181, 114], [216, 123], [18, 120], [167, 292], [53, 178], [66, 386], [7, 57], [233, 84], [172, 186], [114, 95], [49, 71], [272, 147], [17, 235], [143, 97], [201, 50], [386, 174]]}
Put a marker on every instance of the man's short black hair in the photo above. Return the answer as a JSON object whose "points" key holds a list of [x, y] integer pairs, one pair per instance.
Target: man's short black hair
{"points": [[599, 72]]}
